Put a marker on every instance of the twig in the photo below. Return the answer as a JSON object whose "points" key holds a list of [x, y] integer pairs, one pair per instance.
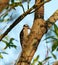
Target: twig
{"points": [[28, 1], [23, 9]]}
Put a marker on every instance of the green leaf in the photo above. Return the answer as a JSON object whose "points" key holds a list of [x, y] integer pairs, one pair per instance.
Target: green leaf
{"points": [[47, 58], [11, 40], [40, 63], [4, 53], [10, 43], [5, 42], [13, 46], [50, 37], [57, 49], [1, 20], [54, 46], [12, 1], [1, 56], [56, 30], [54, 56], [32, 63], [36, 59], [55, 27], [5, 15]]}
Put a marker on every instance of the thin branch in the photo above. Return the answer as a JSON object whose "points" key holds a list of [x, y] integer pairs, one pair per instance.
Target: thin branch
{"points": [[23, 9], [28, 1]]}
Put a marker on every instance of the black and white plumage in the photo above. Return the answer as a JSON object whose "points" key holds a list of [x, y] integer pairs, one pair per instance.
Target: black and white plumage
{"points": [[24, 33]]}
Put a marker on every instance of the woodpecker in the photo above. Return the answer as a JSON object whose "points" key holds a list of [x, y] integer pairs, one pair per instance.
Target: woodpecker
{"points": [[24, 33]]}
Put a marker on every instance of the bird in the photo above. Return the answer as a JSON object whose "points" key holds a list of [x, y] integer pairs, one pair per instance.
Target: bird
{"points": [[24, 33]]}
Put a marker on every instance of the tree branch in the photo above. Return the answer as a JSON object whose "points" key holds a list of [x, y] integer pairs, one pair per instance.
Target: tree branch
{"points": [[37, 31], [52, 19]]}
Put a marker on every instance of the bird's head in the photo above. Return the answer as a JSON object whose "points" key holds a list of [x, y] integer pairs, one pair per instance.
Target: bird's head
{"points": [[26, 26]]}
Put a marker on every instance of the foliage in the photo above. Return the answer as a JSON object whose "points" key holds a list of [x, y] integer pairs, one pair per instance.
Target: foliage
{"points": [[9, 44], [54, 56], [54, 38], [12, 1], [11, 6], [36, 60], [1, 54]]}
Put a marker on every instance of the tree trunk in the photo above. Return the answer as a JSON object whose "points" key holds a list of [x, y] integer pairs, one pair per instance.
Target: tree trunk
{"points": [[32, 43]]}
